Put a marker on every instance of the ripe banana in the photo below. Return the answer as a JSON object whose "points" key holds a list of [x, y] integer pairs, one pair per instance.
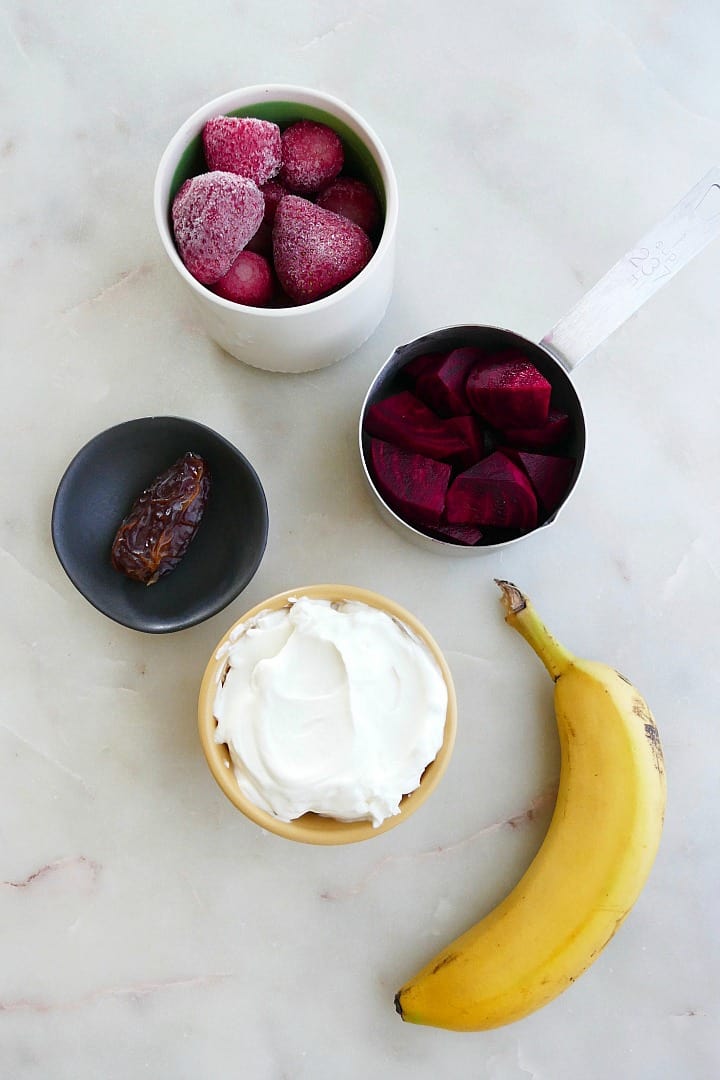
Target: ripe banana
{"points": [[589, 871]]}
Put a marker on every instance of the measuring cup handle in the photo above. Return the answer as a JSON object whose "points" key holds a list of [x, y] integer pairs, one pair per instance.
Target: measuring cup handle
{"points": [[656, 258]]}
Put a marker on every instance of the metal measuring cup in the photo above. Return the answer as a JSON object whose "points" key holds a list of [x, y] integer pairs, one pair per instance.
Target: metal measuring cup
{"points": [[649, 265]]}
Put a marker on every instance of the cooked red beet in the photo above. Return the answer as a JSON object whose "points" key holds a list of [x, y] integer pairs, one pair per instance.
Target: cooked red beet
{"points": [[412, 485], [405, 421], [550, 476], [443, 387], [460, 534], [477, 438], [509, 391], [494, 492], [427, 362], [555, 429]]}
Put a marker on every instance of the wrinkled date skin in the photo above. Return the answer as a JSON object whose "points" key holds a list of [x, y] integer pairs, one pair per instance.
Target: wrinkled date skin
{"points": [[155, 535]]}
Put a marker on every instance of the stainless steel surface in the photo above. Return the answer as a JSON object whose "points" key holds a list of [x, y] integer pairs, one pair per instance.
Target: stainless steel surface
{"points": [[389, 379], [641, 272], [654, 260]]}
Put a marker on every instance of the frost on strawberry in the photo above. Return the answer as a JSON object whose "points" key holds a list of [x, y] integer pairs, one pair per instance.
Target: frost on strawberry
{"points": [[352, 199], [312, 156], [248, 281], [243, 145], [315, 250], [273, 191], [214, 216]]}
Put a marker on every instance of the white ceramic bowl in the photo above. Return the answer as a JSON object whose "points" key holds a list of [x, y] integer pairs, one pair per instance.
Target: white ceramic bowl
{"points": [[310, 336]]}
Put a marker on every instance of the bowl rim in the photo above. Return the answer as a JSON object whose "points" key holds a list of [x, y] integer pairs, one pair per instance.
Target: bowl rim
{"points": [[312, 828], [181, 623], [265, 92]]}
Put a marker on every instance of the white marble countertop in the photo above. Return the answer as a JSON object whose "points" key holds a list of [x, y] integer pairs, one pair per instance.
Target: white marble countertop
{"points": [[147, 928]]}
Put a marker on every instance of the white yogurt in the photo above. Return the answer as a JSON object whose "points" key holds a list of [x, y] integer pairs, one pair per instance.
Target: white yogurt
{"points": [[331, 707]]}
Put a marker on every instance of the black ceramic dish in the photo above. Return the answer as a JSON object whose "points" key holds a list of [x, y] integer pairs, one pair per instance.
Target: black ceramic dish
{"points": [[97, 491]]}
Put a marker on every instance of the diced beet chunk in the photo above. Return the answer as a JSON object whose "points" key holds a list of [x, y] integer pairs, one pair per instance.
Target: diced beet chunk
{"points": [[554, 431], [549, 475], [509, 391], [406, 422], [459, 534], [443, 387], [411, 484], [494, 492], [478, 441], [420, 364]]}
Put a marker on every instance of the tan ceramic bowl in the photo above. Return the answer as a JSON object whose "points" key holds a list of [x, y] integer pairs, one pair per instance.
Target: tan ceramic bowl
{"points": [[314, 828]]}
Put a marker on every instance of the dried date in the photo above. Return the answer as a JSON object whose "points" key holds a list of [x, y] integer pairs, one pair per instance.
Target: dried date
{"points": [[162, 521]]}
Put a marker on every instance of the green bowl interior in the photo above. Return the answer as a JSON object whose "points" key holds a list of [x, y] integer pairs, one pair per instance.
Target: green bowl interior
{"points": [[359, 162]]}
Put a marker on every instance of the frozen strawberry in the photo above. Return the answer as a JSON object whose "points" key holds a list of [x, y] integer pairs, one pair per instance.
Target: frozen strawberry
{"points": [[243, 145], [352, 199], [312, 156], [248, 281], [315, 250], [273, 191], [214, 215]]}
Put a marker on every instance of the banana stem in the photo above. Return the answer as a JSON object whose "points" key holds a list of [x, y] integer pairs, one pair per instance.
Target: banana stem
{"points": [[521, 615]]}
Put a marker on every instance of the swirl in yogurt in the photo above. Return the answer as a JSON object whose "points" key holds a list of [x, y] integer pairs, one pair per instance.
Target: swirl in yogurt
{"points": [[335, 708]]}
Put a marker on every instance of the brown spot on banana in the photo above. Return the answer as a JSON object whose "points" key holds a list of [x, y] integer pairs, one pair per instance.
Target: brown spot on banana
{"points": [[444, 962], [652, 734], [655, 745], [639, 707]]}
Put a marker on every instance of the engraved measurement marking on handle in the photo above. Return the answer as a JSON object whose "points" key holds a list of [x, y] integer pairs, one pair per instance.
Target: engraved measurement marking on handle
{"points": [[657, 263], [656, 258]]}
